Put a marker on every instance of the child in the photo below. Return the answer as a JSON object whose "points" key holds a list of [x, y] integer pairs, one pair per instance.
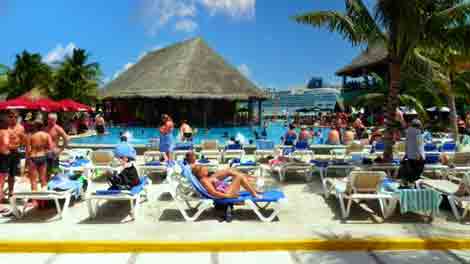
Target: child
{"points": [[128, 177]]}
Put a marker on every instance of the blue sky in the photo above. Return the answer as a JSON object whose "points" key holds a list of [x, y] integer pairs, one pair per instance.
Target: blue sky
{"points": [[256, 36]]}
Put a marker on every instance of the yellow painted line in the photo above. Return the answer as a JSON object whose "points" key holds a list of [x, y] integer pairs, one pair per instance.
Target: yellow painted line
{"points": [[221, 246]]}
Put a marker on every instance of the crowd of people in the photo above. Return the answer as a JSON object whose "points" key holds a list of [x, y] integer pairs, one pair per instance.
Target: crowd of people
{"points": [[39, 141]]}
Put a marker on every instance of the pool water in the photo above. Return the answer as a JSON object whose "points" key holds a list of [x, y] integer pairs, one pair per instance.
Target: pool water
{"points": [[140, 135]]}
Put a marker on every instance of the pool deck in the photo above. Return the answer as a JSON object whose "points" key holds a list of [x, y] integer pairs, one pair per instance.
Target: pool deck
{"points": [[307, 218]]}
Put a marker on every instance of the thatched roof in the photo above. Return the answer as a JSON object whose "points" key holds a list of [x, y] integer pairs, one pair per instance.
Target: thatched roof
{"points": [[186, 70], [371, 57]]}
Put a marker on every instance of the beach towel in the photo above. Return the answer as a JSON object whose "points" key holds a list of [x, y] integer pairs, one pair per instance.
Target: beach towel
{"points": [[419, 200], [62, 182]]}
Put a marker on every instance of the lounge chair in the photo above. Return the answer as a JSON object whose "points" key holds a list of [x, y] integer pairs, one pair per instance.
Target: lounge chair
{"points": [[101, 160], [58, 189], [449, 147], [282, 168], [210, 150], [379, 148], [264, 149], [458, 194], [459, 165], [233, 151], [430, 147], [302, 152], [134, 196], [359, 185], [205, 200], [181, 149]]}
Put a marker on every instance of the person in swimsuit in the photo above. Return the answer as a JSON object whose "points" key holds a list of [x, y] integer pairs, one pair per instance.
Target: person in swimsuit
{"points": [[4, 153], [290, 136], [186, 132], [166, 137], [38, 146], [214, 182], [57, 133], [99, 125], [17, 139]]}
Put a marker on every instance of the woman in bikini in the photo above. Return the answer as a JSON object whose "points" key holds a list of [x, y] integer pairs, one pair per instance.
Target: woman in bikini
{"points": [[216, 186], [39, 143]]}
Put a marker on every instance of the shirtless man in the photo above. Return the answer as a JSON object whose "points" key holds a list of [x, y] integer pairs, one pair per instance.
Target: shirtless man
{"points": [[348, 136], [333, 136], [4, 153], [17, 138], [38, 145], [186, 131], [99, 125], [57, 133]]}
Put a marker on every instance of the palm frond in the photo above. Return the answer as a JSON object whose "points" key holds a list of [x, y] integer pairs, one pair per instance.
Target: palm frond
{"points": [[364, 21], [334, 22]]}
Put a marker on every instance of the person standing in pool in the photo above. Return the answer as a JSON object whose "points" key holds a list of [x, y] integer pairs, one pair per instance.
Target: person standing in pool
{"points": [[99, 125], [166, 137], [38, 145], [186, 132]]}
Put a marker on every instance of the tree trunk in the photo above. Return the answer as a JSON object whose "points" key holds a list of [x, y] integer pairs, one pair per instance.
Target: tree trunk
{"points": [[453, 110], [392, 104]]}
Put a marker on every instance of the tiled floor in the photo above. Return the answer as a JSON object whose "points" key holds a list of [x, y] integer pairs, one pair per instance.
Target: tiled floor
{"points": [[246, 258]]}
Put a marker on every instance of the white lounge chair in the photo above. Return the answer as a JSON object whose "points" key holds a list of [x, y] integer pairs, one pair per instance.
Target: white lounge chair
{"points": [[233, 151], [458, 194], [43, 196], [101, 160], [283, 168], [264, 148], [134, 197], [359, 185], [210, 150], [191, 190]]}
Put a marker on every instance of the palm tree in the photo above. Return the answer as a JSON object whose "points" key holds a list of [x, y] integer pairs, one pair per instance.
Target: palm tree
{"points": [[450, 75], [76, 78], [3, 79], [400, 25], [27, 73]]}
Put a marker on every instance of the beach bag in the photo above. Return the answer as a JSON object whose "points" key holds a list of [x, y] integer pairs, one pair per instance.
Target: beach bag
{"points": [[410, 170]]}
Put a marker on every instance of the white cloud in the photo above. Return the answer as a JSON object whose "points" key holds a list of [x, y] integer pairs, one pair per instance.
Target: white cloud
{"points": [[245, 70], [158, 13], [59, 53], [186, 25], [233, 8]]}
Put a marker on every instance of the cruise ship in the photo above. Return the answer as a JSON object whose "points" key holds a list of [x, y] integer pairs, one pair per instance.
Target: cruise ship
{"points": [[311, 96]]}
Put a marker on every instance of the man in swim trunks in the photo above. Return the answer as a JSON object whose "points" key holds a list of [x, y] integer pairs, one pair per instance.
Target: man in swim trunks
{"points": [[57, 133], [166, 137], [99, 125], [334, 136], [17, 139], [38, 145], [186, 131], [4, 153]]}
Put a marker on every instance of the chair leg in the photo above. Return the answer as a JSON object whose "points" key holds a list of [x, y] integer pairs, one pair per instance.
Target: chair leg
{"points": [[203, 206], [453, 206], [342, 206], [91, 209], [14, 207], [276, 206], [66, 206]]}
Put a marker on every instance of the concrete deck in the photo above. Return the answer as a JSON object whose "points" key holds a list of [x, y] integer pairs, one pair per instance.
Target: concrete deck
{"points": [[307, 216]]}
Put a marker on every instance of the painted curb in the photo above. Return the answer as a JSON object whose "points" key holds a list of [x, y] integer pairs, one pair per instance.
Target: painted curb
{"points": [[229, 246]]}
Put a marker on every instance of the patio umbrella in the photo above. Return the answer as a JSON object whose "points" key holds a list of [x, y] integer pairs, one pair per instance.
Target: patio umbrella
{"points": [[69, 105], [48, 105], [19, 103]]}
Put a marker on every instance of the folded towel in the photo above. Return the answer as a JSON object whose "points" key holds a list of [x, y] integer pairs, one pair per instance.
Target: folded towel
{"points": [[419, 200]]}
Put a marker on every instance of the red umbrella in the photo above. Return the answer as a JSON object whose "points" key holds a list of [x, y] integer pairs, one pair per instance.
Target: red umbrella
{"points": [[72, 106], [19, 103], [48, 105]]}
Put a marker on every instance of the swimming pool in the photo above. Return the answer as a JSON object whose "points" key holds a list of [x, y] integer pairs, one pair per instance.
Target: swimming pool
{"points": [[142, 136]]}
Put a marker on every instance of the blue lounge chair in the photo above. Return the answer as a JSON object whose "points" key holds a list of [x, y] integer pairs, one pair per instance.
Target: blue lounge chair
{"points": [[449, 147], [430, 147], [181, 149], [274, 197], [302, 151], [233, 151], [264, 148], [133, 195], [432, 158]]}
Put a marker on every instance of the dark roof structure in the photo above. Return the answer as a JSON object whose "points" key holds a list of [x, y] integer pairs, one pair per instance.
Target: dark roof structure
{"points": [[186, 70], [373, 57]]}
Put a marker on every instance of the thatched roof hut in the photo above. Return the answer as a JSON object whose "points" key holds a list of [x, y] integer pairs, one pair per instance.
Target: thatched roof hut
{"points": [[186, 70], [373, 59], [187, 80]]}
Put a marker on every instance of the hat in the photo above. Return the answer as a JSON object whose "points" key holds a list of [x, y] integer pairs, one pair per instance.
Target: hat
{"points": [[125, 150], [28, 116]]}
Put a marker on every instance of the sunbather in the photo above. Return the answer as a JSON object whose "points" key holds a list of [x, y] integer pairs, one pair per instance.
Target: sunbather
{"points": [[215, 184]]}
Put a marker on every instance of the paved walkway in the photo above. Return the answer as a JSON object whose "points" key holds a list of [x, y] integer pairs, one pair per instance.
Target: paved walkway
{"points": [[428, 257]]}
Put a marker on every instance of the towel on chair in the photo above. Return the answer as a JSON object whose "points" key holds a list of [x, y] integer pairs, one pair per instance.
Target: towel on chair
{"points": [[419, 200]]}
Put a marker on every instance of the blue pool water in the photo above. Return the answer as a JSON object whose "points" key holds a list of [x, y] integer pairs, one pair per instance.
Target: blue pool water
{"points": [[141, 135]]}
